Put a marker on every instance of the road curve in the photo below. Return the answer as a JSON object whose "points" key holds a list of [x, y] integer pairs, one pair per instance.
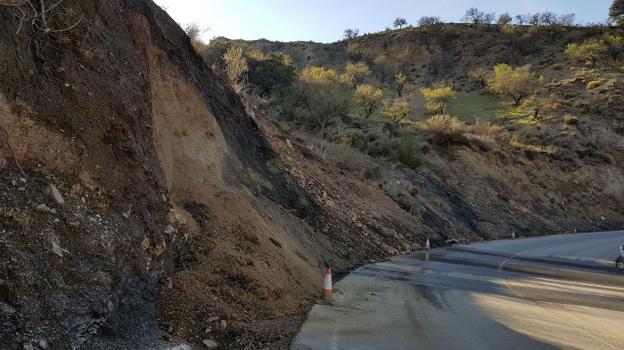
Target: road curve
{"points": [[555, 292]]}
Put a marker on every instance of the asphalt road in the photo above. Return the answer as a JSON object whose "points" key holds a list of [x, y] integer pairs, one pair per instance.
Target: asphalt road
{"points": [[556, 292]]}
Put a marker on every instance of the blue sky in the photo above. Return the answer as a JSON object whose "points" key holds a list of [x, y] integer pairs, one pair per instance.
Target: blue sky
{"points": [[325, 20]]}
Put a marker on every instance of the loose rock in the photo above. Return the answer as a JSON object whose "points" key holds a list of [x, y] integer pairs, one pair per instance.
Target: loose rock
{"points": [[43, 208], [55, 195], [210, 344]]}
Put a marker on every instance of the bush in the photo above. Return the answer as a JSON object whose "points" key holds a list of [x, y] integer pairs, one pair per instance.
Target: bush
{"points": [[444, 124], [407, 151], [593, 84], [571, 120]]}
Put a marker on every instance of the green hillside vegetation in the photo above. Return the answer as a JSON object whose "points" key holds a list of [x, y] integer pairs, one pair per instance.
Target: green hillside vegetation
{"points": [[381, 94]]}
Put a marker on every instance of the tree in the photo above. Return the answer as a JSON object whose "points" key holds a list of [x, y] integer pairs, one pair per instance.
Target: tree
{"points": [[480, 76], [356, 73], [590, 51], [541, 104], [399, 22], [384, 68], [437, 98], [475, 16], [396, 110], [320, 99], [236, 68], [614, 44], [214, 53], [504, 19], [616, 12], [567, 20], [428, 21], [549, 18], [517, 83], [400, 81], [351, 33], [535, 19], [271, 73], [369, 97], [523, 19], [43, 15]]}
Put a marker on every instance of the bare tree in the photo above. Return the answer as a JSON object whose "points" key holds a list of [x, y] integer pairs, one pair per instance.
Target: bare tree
{"points": [[428, 21], [400, 22], [40, 13], [475, 16], [548, 18], [567, 20], [351, 33]]}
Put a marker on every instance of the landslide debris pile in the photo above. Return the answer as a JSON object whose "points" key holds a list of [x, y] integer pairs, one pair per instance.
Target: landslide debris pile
{"points": [[143, 208]]}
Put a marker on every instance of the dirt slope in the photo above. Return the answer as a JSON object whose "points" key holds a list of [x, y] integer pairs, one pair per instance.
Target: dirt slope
{"points": [[178, 220]]}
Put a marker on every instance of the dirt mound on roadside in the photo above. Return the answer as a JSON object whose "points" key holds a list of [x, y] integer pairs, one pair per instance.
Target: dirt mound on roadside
{"points": [[178, 220]]}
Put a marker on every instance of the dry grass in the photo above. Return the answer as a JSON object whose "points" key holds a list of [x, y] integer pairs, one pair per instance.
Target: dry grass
{"points": [[444, 124], [593, 84], [571, 119]]}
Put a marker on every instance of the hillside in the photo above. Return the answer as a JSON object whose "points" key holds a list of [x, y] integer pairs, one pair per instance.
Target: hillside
{"points": [[504, 170], [145, 204]]}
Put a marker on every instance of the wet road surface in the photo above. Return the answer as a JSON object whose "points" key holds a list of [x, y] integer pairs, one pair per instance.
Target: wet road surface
{"points": [[556, 292]]}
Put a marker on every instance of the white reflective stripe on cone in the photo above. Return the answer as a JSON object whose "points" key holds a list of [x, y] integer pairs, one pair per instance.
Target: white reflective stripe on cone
{"points": [[328, 281]]}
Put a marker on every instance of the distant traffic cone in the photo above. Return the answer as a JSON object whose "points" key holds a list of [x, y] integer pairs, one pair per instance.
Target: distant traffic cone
{"points": [[427, 245], [513, 235], [327, 284], [574, 231]]}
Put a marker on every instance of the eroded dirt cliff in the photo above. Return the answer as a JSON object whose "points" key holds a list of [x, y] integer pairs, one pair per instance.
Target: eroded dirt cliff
{"points": [[142, 207]]}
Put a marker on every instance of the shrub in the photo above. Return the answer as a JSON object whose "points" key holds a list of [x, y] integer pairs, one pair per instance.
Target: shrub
{"points": [[236, 68], [444, 124], [593, 84], [408, 150], [541, 105], [571, 120], [480, 76]]}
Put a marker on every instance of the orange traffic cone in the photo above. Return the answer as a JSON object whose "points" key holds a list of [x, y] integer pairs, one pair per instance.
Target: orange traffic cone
{"points": [[327, 284], [513, 235], [427, 244], [574, 231]]}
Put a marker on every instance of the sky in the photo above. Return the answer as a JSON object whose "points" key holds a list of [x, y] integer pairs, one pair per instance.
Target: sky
{"points": [[326, 20]]}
